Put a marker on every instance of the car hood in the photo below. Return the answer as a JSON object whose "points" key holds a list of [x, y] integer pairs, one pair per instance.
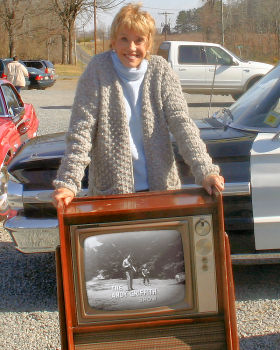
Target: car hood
{"points": [[43, 153], [51, 147], [259, 65], [211, 130]]}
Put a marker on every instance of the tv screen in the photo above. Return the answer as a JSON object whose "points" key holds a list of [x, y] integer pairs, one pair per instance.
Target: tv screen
{"points": [[134, 269], [139, 269]]}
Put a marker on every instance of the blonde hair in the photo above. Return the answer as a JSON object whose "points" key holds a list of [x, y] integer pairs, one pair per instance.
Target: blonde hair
{"points": [[133, 18]]}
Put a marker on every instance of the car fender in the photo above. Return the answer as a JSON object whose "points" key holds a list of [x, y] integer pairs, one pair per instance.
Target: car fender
{"points": [[30, 120], [265, 187], [6, 153]]}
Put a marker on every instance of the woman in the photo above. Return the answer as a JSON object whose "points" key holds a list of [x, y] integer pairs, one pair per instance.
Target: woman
{"points": [[126, 105]]}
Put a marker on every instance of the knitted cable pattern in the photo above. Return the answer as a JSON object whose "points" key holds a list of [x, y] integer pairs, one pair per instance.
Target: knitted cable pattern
{"points": [[98, 135]]}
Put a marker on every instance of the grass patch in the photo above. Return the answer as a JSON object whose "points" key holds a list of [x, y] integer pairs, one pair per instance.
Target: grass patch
{"points": [[69, 69], [89, 47]]}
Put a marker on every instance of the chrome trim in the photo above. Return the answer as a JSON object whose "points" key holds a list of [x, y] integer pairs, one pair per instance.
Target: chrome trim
{"points": [[7, 115], [33, 235], [15, 195], [42, 235], [45, 196], [267, 219], [38, 196], [255, 258], [231, 188]]}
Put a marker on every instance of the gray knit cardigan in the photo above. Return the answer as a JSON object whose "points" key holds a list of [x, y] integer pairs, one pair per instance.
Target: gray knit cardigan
{"points": [[98, 134]]}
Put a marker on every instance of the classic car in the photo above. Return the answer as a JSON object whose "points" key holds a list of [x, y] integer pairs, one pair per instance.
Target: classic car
{"points": [[244, 140], [18, 123]]}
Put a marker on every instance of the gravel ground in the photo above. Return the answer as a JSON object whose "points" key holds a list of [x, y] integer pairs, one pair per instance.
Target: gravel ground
{"points": [[53, 105], [29, 316]]}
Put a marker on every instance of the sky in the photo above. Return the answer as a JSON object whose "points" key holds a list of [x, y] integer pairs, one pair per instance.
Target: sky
{"points": [[156, 8]]}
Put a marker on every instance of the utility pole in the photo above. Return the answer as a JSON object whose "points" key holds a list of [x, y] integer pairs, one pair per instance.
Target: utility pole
{"points": [[166, 22], [94, 17], [222, 18]]}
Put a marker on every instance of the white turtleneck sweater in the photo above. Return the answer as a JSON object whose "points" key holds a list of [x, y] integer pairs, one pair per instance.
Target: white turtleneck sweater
{"points": [[131, 81]]}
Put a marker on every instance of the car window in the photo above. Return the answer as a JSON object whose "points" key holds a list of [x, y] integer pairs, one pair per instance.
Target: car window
{"points": [[35, 64], [190, 54], [215, 55], [11, 98], [163, 50]]}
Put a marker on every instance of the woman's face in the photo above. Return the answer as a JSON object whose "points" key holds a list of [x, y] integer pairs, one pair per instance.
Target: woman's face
{"points": [[130, 46]]}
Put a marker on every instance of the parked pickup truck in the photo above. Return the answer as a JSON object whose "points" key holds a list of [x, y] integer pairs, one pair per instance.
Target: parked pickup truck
{"points": [[207, 68]]}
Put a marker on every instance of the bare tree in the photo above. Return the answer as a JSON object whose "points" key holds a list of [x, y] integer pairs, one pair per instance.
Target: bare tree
{"points": [[210, 19], [12, 15], [67, 11]]}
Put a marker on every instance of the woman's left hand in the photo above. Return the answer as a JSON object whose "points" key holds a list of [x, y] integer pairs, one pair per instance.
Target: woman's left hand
{"points": [[211, 181]]}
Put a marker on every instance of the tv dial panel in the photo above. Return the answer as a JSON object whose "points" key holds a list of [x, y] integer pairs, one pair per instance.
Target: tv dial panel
{"points": [[204, 256]]}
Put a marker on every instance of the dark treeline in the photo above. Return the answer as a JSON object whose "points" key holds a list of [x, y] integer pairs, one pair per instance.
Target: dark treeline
{"points": [[248, 27]]}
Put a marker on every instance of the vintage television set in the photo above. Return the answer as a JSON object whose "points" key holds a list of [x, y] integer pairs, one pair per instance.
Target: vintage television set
{"points": [[150, 270]]}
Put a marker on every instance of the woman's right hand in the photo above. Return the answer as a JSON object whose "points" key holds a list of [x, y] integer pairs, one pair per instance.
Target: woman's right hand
{"points": [[62, 196]]}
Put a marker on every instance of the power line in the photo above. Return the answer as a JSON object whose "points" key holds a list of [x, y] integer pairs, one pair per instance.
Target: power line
{"points": [[163, 9], [165, 14], [166, 22]]}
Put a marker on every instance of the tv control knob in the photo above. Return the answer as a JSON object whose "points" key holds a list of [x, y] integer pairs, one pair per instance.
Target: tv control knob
{"points": [[204, 260], [202, 227], [203, 246], [205, 267]]}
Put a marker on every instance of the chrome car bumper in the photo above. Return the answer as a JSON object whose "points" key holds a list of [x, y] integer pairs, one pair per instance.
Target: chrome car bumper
{"points": [[33, 235]]}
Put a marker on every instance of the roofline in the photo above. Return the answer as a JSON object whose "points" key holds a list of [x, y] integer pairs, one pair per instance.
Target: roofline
{"points": [[191, 42]]}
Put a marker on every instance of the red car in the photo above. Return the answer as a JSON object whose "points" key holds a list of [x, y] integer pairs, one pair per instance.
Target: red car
{"points": [[18, 123]]}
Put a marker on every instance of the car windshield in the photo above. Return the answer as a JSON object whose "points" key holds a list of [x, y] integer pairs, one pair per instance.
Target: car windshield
{"points": [[237, 57], [258, 109]]}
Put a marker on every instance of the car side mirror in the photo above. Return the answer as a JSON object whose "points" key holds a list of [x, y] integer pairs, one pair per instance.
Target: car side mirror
{"points": [[18, 113], [235, 63]]}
